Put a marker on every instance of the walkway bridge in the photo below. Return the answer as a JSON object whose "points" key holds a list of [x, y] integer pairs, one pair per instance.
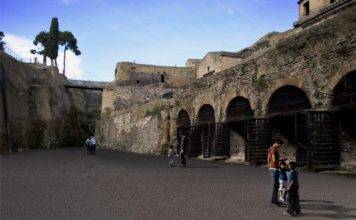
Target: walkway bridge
{"points": [[81, 84]]}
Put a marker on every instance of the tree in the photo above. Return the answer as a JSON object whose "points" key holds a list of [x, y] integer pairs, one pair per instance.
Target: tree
{"points": [[53, 39], [42, 39], [68, 41], [2, 43]]}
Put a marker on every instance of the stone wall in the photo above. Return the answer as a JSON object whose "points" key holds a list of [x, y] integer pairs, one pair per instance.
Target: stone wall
{"points": [[312, 58], [134, 118], [141, 74], [37, 111]]}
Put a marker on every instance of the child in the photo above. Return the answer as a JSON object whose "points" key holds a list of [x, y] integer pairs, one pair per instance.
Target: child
{"points": [[293, 206], [282, 176], [171, 156]]}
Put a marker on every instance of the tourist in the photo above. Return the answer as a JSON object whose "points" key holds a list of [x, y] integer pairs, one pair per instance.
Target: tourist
{"points": [[273, 165], [293, 205], [92, 145], [182, 150], [87, 145], [282, 180], [171, 155]]}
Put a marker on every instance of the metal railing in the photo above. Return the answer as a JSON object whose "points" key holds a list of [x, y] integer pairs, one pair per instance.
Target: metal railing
{"points": [[14, 55]]}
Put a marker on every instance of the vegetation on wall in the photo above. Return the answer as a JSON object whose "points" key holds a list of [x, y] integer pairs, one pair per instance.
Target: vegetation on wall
{"points": [[164, 149], [260, 81], [155, 112]]}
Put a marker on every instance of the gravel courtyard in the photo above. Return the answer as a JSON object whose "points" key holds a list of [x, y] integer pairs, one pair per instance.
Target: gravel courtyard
{"points": [[68, 184]]}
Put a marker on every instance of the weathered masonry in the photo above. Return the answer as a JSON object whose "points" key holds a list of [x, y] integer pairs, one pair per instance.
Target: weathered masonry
{"points": [[40, 108], [299, 86], [302, 89]]}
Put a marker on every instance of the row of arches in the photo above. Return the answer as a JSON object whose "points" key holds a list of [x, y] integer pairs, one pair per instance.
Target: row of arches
{"points": [[289, 117]]}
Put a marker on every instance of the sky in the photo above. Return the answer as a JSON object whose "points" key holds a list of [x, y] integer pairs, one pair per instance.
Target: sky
{"points": [[160, 32]]}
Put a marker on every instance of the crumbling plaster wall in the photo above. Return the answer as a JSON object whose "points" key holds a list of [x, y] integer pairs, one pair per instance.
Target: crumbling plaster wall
{"points": [[134, 118]]}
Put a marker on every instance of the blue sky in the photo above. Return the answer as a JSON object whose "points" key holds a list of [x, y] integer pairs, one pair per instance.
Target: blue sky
{"points": [[162, 32]]}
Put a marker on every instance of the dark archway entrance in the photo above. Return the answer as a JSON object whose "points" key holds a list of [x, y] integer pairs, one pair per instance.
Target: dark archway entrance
{"points": [[206, 121], [183, 125], [288, 118], [344, 103], [237, 112]]}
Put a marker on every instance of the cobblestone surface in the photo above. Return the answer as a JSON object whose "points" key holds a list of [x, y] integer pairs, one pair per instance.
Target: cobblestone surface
{"points": [[67, 184]]}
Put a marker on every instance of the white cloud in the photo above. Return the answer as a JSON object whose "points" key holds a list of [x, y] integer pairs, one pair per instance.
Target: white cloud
{"points": [[22, 46], [67, 2], [226, 8]]}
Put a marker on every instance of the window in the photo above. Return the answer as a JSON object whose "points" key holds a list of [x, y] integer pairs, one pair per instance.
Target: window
{"points": [[208, 68], [162, 78], [306, 7], [138, 81]]}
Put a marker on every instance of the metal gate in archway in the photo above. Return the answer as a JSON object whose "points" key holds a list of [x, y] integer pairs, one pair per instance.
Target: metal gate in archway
{"points": [[208, 140]]}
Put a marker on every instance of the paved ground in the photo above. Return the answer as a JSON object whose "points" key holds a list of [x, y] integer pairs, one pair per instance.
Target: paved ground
{"points": [[67, 184]]}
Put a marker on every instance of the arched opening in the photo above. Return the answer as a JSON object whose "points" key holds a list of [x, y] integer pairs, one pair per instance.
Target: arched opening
{"points": [[287, 111], [344, 103], [206, 120], [237, 111], [183, 119], [183, 125], [206, 115]]}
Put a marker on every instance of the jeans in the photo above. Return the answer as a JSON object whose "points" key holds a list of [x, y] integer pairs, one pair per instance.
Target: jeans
{"points": [[293, 204], [275, 185]]}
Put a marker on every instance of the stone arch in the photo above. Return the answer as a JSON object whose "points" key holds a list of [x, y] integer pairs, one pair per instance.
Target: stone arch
{"points": [[287, 99], [183, 118], [337, 77], [344, 92], [286, 111], [238, 109], [344, 104], [296, 82], [206, 114], [228, 97]]}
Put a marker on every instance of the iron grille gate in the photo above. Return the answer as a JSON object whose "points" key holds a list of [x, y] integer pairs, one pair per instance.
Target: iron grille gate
{"points": [[194, 141], [186, 131], [258, 137], [222, 140], [208, 131], [302, 139], [324, 146]]}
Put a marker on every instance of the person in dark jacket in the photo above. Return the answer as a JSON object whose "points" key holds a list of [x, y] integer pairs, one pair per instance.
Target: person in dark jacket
{"points": [[182, 149], [293, 204]]}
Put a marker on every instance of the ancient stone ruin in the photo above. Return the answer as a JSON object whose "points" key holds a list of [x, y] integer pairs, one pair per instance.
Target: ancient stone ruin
{"points": [[299, 85]]}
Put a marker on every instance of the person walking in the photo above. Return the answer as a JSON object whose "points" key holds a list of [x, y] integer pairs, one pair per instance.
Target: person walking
{"points": [[293, 203], [183, 162], [273, 166], [92, 144]]}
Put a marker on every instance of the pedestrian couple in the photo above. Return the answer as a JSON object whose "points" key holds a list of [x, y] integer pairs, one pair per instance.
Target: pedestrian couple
{"points": [[172, 153], [285, 183], [90, 143]]}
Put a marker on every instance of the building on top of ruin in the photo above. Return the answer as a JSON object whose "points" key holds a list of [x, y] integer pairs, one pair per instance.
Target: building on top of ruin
{"points": [[214, 62], [310, 10], [127, 73]]}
